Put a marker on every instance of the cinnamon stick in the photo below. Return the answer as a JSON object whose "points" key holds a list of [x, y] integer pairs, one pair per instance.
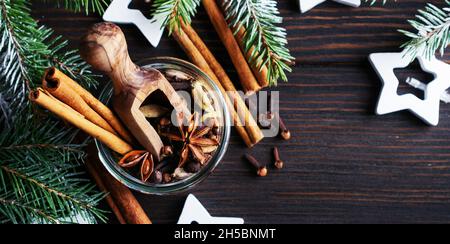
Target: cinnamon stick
{"points": [[55, 106], [63, 92], [260, 74], [124, 203], [224, 81], [197, 58], [55, 75], [101, 185], [248, 81]]}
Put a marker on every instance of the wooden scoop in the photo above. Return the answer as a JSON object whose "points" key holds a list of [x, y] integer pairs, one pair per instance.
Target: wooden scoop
{"points": [[105, 48]]}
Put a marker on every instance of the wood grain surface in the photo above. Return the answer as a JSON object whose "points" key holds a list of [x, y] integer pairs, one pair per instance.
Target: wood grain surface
{"points": [[344, 164]]}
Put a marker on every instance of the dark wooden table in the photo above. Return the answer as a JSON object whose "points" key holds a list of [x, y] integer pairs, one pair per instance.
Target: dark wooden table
{"points": [[344, 164]]}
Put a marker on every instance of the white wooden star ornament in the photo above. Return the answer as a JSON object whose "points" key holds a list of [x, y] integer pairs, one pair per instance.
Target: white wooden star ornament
{"points": [[306, 5], [194, 212], [389, 101], [119, 12]]}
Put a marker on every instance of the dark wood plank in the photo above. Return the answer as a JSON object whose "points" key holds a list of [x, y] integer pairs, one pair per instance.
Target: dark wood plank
{"points": [[344, 164], [330, 32]]}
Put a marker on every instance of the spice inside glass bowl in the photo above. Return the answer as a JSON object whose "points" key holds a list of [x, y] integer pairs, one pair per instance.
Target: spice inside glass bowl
{"points": [[185, 167]]}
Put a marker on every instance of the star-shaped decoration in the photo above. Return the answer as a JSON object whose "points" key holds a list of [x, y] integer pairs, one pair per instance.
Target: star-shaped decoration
{"points": [[389, 101], [119, 12], [306, 5], [194, 212]]}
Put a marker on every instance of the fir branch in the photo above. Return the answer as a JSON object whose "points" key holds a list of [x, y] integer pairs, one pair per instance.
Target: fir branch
{"points": [[64, 200], [39, 165], [432, 32], [88, 6], [29, 49], [260, 19], [14, 65], [175, 11], [5, 111], [17, 212], [68, 148], [40, 168]]}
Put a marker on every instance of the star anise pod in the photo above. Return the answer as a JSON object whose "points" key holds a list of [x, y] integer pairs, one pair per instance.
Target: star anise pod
{"points": [[134, 158], [192, 137]]}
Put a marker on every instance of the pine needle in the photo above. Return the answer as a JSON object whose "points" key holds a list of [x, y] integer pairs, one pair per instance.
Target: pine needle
{"points": [[40, 166], [175, 11], [261, 18], [86, 6]]}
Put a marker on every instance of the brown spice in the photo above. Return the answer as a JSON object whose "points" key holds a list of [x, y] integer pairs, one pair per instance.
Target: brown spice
{"points": [[134, 158], [284, 131], [199, 54], [157, 177], [193, 139], [260, 170], [248, 80], [279, 164], [167, 178]]}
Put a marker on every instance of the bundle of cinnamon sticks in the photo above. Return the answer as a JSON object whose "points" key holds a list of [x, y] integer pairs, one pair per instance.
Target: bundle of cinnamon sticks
{"points": [[68, 100], [201, 56], [251, 77]]}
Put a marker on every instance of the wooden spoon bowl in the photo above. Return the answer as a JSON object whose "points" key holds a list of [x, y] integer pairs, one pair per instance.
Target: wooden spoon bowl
{"points": [[105, 48]]}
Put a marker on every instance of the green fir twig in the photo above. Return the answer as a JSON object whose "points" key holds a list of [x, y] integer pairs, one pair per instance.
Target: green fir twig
{"points": [[40, 170], [175, 11], [261, 18], [86, 6]]}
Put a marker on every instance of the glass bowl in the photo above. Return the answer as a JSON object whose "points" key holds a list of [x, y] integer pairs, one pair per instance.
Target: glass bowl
{"points": [[110, 159]]}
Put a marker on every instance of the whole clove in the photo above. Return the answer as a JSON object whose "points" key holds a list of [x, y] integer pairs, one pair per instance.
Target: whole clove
{"points": [[260, 170], [284, 131], [279, 164]]}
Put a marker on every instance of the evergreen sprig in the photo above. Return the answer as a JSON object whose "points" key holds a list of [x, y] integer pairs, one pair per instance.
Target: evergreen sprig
{"points": [[432, 32], [88, 6], [28, 49], [175, 11], [39, 174], [260, 19], [39, 164]]}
